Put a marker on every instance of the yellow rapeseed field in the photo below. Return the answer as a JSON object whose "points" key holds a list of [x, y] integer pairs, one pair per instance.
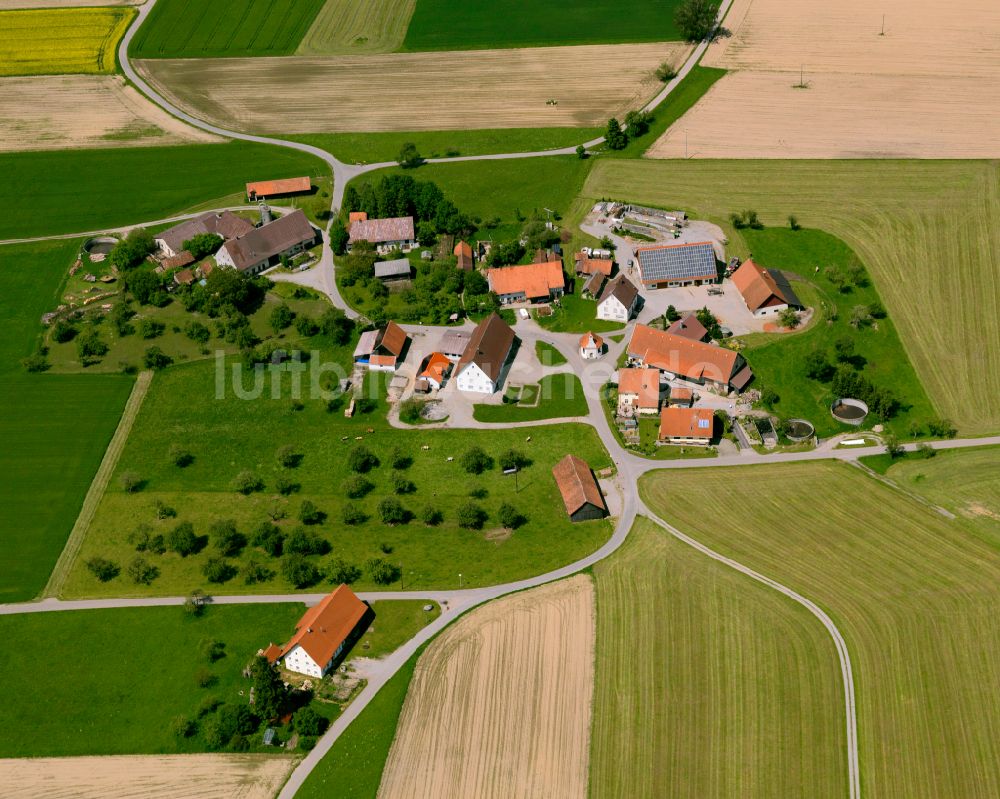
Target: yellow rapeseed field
{"points": [[56, 41]]}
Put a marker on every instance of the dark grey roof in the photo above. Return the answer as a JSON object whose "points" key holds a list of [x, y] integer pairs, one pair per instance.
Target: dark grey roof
{"points": [[622, 289], [398, 267], [677, 262], [785, 288], [272, 239]]}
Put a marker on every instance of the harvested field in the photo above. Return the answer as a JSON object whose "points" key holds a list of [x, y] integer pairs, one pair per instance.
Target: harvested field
{"points": [[920, 39], [146, 777], [53, 41], [72, 111], [925, 89], [913, 593], [922, 228], [709, 684], [838, 116], [500, 703], [347, 27], [411, 91]]}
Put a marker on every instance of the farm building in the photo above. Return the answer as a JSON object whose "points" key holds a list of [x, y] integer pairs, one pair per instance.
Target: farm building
{"points": [[463, 255], [453, 343], [669, 265], [385, 234], [265, 189], [765, 291], [684, 397], [170, 242], [481, 367], [537, 282], [714, 367], [591, 346], [693, 426], [183, 258], [583, 264], [396, 269], [618, 301], [638, 391], [323, 634], [185, 277], [436, 369], [580, 492], [592, 288], [263, 247], [384, 349], [688, 326]]}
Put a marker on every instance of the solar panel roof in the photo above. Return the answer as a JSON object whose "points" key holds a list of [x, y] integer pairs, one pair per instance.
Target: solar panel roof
{"points": [[677, 262]]}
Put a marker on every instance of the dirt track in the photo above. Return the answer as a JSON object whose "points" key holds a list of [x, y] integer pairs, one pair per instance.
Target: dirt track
{"points": [[500, 703], [145, 777], [416, 91], [69, 111], [927, 88]]}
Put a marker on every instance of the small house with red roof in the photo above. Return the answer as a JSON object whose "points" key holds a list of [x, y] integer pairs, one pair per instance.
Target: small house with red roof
{"points": [[591, 346], [689, 426], [323, 635], [436, 370], [383, 349]]}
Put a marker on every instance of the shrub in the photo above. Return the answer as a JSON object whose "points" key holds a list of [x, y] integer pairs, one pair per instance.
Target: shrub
{"points": [[309, 513], [281, 317], [307, 721], [400, 485], [357, 487], [581, 151], [35, 363], [130, 482], [769, 397], [361, 459], [246, 482], [228, 540], [183, 727], [941, 428], [202, 244], [142, 571], [817, 366], [411, 410], [155, 358], [614, 136], [63, 331], [197, 332], [304, 542], [510, 517], [353, 514], [306, 327], [793, 222], [340, 571], [789, 318], [183, 541], [300, 572], [150, 328], [476, 461], [400, 459], [179, 456], [892, 447], [382, 572], [431, 516], [218, 570], [285, 486], [194, 605], [103, 569], [212, 650], [666, 72], [268, 537], [163, 511], [513, 459], [391, 511], [254, 572], [471, 516]]}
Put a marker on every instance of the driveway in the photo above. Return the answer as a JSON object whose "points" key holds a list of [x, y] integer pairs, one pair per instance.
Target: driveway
{"points": [[728, 307]]}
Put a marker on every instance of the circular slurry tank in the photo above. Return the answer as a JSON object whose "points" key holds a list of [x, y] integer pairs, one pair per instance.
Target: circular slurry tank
{"points": [[800, 430], [849, 411], [100, 245]]}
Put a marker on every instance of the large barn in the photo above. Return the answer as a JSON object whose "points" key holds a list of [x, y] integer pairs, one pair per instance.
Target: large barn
{"points": [[670, 265], [580, 492]]}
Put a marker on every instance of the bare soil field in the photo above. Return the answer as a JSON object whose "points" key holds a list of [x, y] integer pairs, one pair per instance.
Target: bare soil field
{"points": [[923, 87], [759, 115], [500, 704], [347, 27], [416, 91], [74, 111], [146, 777]]}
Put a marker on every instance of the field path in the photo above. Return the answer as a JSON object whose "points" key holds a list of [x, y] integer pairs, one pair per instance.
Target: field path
{"points": [[98, 485]]}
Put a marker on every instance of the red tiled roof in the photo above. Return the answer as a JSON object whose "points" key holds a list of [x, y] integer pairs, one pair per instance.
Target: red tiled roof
{"points": [[533, 280], [758, 286], [586, 265], [272, 188], [379, 231], [357, 216], [576, 484], [691, 359], [393, 338], [437, 367], [183, 258], [590, 340], [326, 625], [686, 423], [644, 383], [463, 248]]}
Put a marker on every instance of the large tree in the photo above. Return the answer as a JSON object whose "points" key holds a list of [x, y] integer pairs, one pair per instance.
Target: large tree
{"points": [[695, 18], [269, 694]]}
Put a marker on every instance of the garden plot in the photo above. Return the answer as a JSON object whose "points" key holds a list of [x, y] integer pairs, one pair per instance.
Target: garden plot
{"points": [[74, 111], [500, 703], [534, 87]]}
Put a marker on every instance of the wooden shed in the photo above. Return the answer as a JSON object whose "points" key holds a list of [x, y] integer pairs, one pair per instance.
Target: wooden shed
{"points": [[580, 492]]}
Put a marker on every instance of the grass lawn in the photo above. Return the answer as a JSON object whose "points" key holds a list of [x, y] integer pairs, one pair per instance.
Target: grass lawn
{"points": [[47, 193], [457, 25], [548, 355], [561, 397], [55, 428], [56, 41], [924, 229], [385, 146], [963, 481], [708, 683], [352, 769], [224, 28], [82, 700], [778, 361], [227, 436], [396, 622], [913, 593], [574, 314]]}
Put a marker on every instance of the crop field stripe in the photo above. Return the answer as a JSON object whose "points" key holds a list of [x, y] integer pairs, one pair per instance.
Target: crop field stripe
{"points": [[913, 593], [98, 485]]}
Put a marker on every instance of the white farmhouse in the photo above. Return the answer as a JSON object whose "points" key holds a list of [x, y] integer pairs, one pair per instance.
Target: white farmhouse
{"points": [[618, 301], [481, 367], [323, 634]]}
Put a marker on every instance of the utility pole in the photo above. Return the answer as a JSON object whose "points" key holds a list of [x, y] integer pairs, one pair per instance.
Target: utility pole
{"points": [[460, 580]]}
